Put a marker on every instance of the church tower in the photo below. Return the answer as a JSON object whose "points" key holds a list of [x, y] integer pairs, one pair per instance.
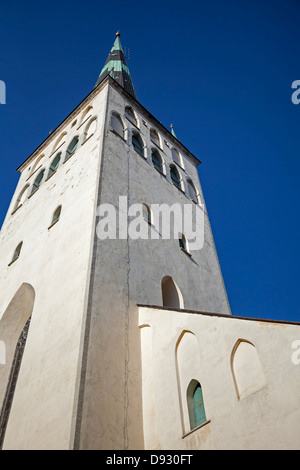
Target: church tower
{"points": [[70, 363]]}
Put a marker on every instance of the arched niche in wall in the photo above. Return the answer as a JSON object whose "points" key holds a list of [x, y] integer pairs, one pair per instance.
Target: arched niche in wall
{"points": [[21, 197], [171, 295], [14, 326], [247, 372], [189, 374]]}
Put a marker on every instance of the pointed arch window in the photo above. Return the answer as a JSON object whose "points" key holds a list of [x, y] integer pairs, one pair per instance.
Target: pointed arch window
{"points": [[38, 181], [54, 165], [195, 403], [175, 177], [157, 160], [192, 191], [72, 147], [138, 144], [13, 377]]}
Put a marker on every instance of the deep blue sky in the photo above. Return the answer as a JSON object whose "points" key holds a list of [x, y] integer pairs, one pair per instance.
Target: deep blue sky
{"points": [[221, 71]]}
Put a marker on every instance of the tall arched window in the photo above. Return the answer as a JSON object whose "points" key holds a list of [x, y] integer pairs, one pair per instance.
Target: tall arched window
{"points": [[12, 381], [157, 160], [192, 191], [137, 143], [117, 125], [171, 295], [13, 332], [195, 404], [38, 181], [54, 165], [72, 147], [17, 252], [175, 177]]}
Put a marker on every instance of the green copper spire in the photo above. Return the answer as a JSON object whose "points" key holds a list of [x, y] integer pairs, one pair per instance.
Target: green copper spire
{"points": [[116, 67], [172, 131]]}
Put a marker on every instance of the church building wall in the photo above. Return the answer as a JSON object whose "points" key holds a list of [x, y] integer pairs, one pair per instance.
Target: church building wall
{"points": [[249, 381]]}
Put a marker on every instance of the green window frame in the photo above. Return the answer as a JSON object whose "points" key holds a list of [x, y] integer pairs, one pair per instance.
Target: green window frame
{"points": [[198, 404], [195, 402]]}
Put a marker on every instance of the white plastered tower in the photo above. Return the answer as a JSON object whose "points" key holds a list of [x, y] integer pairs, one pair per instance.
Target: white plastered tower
{"points": [[100, 365]]}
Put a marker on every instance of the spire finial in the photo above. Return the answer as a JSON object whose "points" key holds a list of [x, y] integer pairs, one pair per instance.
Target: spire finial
{"points": [[172, 131], [118, 34]]}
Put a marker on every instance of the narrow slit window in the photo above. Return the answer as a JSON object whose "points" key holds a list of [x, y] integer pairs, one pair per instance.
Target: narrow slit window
{"points": [[182, 242], [17, 252], [56, 215]]}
